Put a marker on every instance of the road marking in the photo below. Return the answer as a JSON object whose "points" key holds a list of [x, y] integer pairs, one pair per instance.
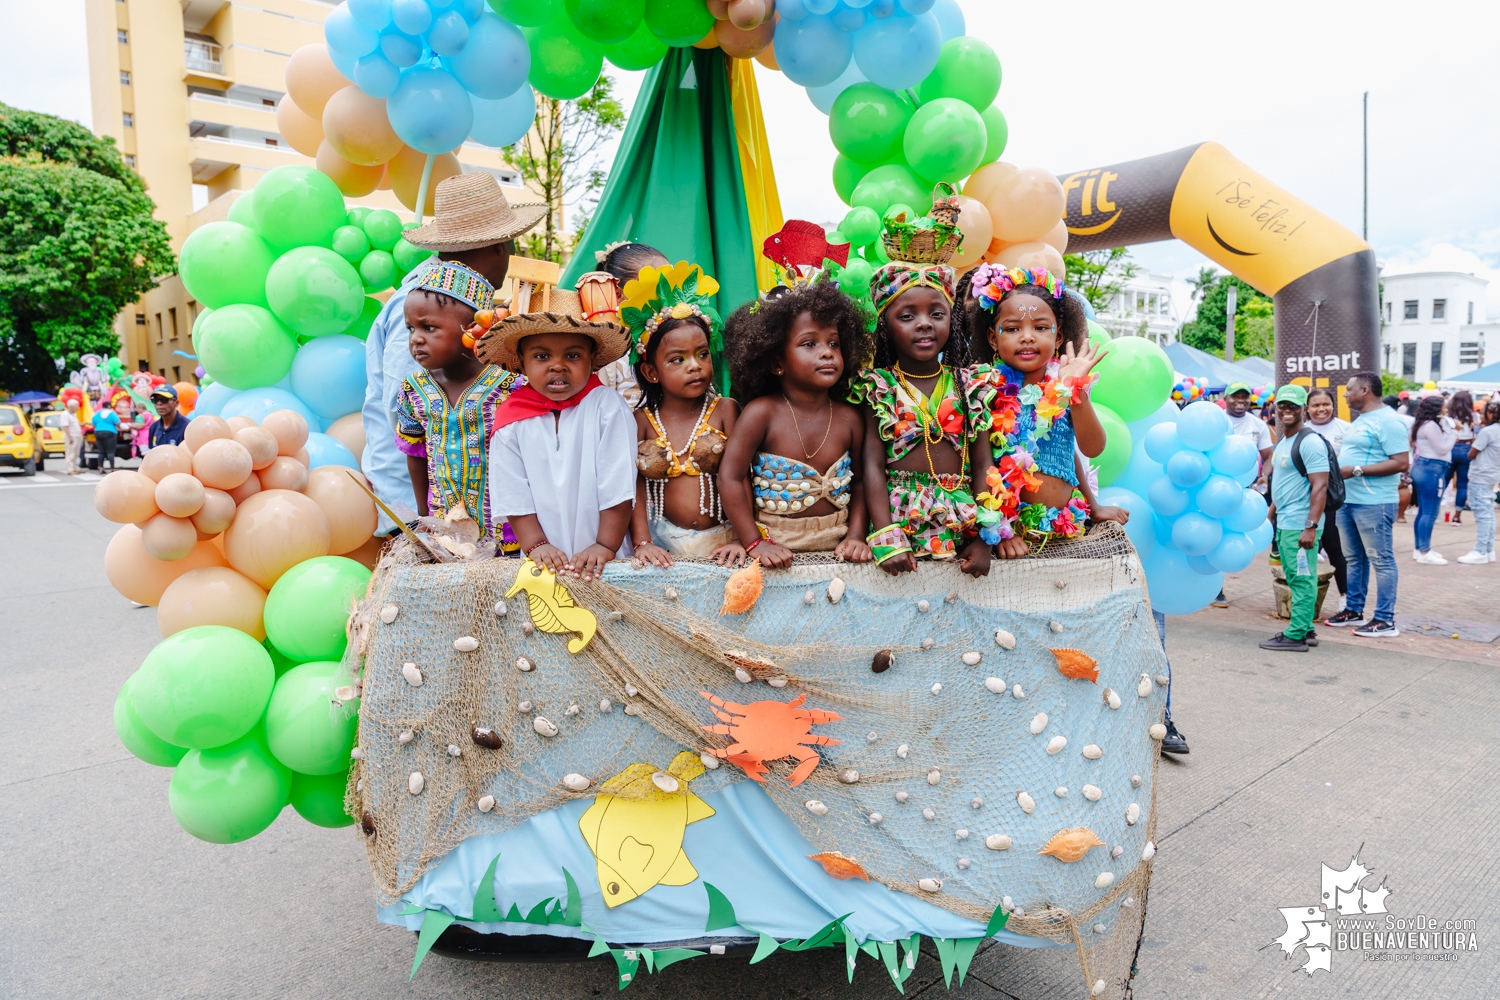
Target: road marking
{"points": [[48, 480]]}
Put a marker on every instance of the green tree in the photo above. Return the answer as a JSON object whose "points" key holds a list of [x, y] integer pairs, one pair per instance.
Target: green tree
{"points": [[561, 156], [1206, 331], [77, 244], [1100, 275], [1203, 282]]}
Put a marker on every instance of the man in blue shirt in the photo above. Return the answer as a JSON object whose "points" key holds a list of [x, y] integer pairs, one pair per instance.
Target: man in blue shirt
{"points": [[1375, 451], [1297, 513], [106, 434], [170, 425]]}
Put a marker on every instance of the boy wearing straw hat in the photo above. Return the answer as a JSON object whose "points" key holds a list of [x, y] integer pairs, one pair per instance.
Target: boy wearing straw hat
{"points": [[472, 225]]}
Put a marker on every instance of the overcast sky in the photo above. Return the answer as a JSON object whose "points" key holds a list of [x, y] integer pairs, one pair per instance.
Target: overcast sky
{"points": [[1090, 83]]}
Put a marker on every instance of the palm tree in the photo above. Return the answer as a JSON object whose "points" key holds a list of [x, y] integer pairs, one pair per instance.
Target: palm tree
{"points": [[1206, 279]]}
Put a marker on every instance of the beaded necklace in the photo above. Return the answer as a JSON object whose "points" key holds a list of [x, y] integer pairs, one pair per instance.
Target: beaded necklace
{"points": [[924, 406], [683, 464]]}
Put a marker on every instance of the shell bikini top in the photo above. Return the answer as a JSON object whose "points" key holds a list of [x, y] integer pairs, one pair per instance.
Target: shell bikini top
{"points": [[658, 460], [786, 486]]}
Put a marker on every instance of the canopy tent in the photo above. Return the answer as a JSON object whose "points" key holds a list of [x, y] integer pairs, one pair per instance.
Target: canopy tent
{"points": [[1261, 366], [1217, 372], [32, 396], [1486, 379]]}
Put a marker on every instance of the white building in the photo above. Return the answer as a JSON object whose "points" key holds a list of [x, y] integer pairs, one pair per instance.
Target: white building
{"points": [[1143, 308], [1433, 325]]}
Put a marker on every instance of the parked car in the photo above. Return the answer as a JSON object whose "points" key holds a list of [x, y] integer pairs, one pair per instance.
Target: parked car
{"points": [[48, 425], [18, 443]]}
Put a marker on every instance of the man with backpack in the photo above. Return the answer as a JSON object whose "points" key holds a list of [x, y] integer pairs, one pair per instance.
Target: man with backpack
{"points": [[1300, 491]]}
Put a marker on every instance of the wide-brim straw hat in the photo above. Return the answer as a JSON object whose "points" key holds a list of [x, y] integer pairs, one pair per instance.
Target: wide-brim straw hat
{"points": [[501, 346], [469, 212]]}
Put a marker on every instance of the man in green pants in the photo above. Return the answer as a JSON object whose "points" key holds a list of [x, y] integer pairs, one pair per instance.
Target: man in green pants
{"points": [[1297, 512]]}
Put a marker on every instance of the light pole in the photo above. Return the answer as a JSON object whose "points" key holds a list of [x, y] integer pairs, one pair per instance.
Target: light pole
{"points": [[1229, 305], [1365, 230]]}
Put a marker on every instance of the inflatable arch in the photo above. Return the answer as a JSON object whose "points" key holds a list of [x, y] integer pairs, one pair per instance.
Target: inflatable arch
{"points": [[1321, 277]]}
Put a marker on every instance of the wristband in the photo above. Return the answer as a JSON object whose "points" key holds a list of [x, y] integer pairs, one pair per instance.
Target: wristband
{"points": [[532, 548], [888, 543], [751, 547]]}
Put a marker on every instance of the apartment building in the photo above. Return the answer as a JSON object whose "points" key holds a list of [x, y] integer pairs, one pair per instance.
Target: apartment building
{"points": [[1433, 324], [1144, 307]]}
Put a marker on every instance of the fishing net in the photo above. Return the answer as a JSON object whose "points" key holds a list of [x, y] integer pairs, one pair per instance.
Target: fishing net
{"points": [[956, 736]]}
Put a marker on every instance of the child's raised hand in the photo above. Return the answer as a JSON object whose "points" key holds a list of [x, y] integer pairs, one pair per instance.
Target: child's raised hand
{"points": [[904, 563], [732, 554], [589, 564], [773, 556], [550, 557], [974, 558], [1079, 363], [651, 554], [852, 549], [1012, 548], [1119, 515]]}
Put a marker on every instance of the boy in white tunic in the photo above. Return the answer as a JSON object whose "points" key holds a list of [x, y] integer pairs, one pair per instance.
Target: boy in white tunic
{"points": [[562, 457]]}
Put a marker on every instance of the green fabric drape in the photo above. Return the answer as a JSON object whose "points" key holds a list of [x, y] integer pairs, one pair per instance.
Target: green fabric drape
{"points": [[676, 182]]}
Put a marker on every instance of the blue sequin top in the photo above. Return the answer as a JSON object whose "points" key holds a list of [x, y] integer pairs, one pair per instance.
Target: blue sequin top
{"points": [[1054, 450], [786, 486]]}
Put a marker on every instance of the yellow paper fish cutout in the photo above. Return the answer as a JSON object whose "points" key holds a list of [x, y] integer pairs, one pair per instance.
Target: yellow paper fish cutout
{"points": [[636, 824], [552, 607]]}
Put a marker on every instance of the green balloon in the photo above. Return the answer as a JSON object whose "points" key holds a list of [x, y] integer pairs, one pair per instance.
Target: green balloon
{"points": [[847, 174], [319, 798], [891, 184], [350, 243], [899, 208], [945, 140], [360, 328], [876, 255], [298, 206], [304, 728], [314, 291], [308, 607], [641, 50], [679, 23], [223, 263], [862, 225], [280, 661], [996, 133], [229, 793], [242, 210], [244, 346], [383, 227], [605, 22], [564, 63], [867, 122], [855, 279], [528, 13], [204, 686], [408, 256], [1098, 336], [1135, 378], [967, 70], [139, 739], [1110, 463], [378, 270], [358, 214]]}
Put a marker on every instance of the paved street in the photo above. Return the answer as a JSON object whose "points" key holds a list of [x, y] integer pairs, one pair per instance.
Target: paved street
{"points": [[1298, 759]]}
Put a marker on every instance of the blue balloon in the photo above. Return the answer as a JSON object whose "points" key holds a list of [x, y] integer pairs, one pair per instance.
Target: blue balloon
{"points": [[951, 21], [916, 6], [1174, 588], [791, 10], [1247, 477], [430, 110], [346, 35], [823, 97], [472, 10], [1202, 425], [812, 51], [1166, 499], [857, 4], [1200, 564], [849, 19], [502, 122], [1196, 534], [324, 450], [258, 403], [1161, 527], [401, 49], [1234, 455], [449, 34], [1262, 536], [344, 64], [897, 52], [1162, 441], [412, 16], [1166, 413], [1234, 552], [373, 14], [376, 75], [328, 374], [495, 62], [1141, 472], [882, 8], [1187, 468], [1249, 514], [820, 7], [211, 399], [1220, 496], [1139, 528]]}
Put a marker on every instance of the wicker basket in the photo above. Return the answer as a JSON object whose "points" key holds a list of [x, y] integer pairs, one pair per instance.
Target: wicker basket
{"points": [[935, 244]]}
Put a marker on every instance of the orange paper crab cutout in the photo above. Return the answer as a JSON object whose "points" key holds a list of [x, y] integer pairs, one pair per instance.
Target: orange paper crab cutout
{"points": [[1077, 664], [840, 866], [771, 730]]}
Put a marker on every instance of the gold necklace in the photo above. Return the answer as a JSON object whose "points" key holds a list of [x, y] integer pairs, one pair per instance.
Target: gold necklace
{"points": [[802, 440], [917, 398]]}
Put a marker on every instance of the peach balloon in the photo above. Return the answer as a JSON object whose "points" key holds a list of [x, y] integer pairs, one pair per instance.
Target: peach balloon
{"points": [[125, 497], [1033, 253], [368, 554], [741, 43], [352, 179], [237, 424], [1026, 205], [274, 531], [355, 126], [350, 511], [260, 443], [983, 182], [385, 179], [708, 41], [974, 222], [301, 130], [747, 15], [216, 513], [222, 463], [168, 538], [244, 491], [405, 171], [719, 9], [179, 495], [289, 428], [142, 578], [1057, 238], [214, 595], [312, 78], [201, 430], [284, 473], [767, 57], [165, 459], [303, 457], [349, 431]]}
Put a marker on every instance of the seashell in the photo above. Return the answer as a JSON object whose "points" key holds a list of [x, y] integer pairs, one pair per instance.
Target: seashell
{"points": [[405, 736], [1116, 851], [1061, 791], [716, 949], [960, 834], [1038, 723], [972, 657], [1105, 880], [666, 782], [454, 751], [835, 590], [1077, 665], [937, 688], [1092, 751], [632, 710], [631, 690], [1072, 845], [741, 590], [1060, 584], [357, 753], [950, 597], [1017, 692], [1055, 626], [849, 776], [527, 628], [963, 864], [367, 823], [928, 643], [809, 597], [776, 682], [1132, 814], [1162, 680], [1149, 852], [388, 613], [1007, 904], [614, 616], [709, 760], [1111, 699], [816, 808], [671, 593], [544, 726], [997, 842], [412, 674], [934, 776], [930, 884], [466, 644], [841, 866], [1019, 911], [875, 819], [1093, 793], [525, 706], [928, 814], [1055, 744], [359, 785], [345, 693], [501, 609], [486, 803], [604, 705], [883, 661], [415, 783], [902, 751], [1135, 781], [1099, 987], [994, 685], [923, 607], [976, 803], [742, 675], [1144, 687], [524, 665], [1129, 902], [1004, 639], [571, 710], [902, 796], [1100, 929], [484, 736], [1025, 801], [871, 737], [1157, 732]]}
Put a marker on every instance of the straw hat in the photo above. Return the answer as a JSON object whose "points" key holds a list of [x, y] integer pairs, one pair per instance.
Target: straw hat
{"points": [[501, 346], [470, 211]]}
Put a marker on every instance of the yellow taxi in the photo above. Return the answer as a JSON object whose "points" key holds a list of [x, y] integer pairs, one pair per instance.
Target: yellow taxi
{"points": [[48, 427], [18, 444]]}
